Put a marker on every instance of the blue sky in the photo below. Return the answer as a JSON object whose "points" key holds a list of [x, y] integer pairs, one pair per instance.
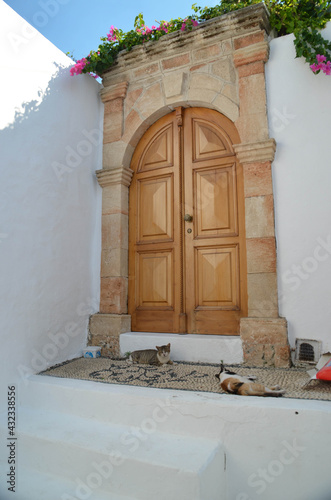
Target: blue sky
{"points": [[76, 26]]}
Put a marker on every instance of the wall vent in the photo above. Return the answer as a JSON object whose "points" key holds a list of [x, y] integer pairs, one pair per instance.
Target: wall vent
{"points": [[307, 351]]}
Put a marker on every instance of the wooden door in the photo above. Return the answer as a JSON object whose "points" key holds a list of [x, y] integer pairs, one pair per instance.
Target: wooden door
{"points": [[187, 257]]}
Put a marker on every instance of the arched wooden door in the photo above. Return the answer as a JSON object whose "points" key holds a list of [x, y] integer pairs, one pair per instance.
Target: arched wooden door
{"points": [[187, 255]]}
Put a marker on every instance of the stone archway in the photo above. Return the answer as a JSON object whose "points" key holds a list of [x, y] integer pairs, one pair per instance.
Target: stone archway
{"points": [[219, 65]]}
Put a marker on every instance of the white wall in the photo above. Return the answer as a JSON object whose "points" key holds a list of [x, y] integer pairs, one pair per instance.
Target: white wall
{"points": [[50, 202], [299, 107]]}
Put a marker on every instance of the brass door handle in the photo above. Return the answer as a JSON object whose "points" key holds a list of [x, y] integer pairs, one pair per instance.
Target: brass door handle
{"points": [[188, 218]]}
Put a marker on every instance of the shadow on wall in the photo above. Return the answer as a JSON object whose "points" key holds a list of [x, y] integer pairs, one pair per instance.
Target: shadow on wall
{"points": [[50, 205]]}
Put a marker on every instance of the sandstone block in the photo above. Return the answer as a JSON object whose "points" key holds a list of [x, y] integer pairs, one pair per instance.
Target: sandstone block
{"points": [[262, 294], [114, 262], [257, 179], [224, 69], [261, 255], [113, 120], [226, 107], [250, 39], [253, 127], [113, 296], [207, 53], [131, 125], [117, 153], [259, 215], [176, 61], [115, 200], [115, 229], [109, 324], [252, 94], [251, 69], [146, 71], [205, 81], [151, 100], [174, 84], [131, 99], [264, 331]]}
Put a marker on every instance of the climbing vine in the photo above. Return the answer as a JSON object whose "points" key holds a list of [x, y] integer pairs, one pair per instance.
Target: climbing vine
{"points": [[304, 18]]}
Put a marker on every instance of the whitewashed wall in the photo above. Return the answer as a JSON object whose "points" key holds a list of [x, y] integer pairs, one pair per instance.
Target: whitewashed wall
{"points": [[299, 107], [50, 202]]}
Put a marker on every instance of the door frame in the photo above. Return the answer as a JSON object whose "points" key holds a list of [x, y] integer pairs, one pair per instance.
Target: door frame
{"points": [[215, 69]]}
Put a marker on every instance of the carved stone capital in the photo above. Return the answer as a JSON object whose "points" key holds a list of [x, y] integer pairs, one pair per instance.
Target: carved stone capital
{"points": [[252, 53], [253, 152], [112, 176], [114, 92]]}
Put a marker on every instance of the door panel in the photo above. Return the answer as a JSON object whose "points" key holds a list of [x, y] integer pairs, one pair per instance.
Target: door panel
{"points": [[154, 275], [215, 201], [187, 274], [155, 208], [216, 277]]}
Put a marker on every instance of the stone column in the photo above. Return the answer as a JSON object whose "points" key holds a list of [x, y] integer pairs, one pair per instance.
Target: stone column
{"points": [[112, 320], [263, 332]]}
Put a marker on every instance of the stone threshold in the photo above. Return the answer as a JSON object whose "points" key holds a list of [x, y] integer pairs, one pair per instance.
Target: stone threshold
{"points": [[187, 347]]}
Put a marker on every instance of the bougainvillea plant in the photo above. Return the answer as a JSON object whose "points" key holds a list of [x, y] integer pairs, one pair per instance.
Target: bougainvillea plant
{"points": [[304, 18]]}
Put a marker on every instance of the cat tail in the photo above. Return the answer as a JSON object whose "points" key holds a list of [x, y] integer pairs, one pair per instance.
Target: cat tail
{"points": [[274, 393], [129, 360]]}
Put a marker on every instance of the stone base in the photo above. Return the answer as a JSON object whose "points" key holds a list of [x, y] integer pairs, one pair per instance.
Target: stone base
{"points": [[265, 342], [105, 331]]}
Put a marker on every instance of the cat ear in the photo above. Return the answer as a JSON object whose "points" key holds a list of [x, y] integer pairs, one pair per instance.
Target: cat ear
{"points": [[157, 347], [168, 345]]}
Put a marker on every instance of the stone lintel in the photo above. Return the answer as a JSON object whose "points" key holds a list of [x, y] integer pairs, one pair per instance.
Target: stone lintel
{"points": [[114, 92], [233, 24], [117, 175], [252, 53], [254, 152]]}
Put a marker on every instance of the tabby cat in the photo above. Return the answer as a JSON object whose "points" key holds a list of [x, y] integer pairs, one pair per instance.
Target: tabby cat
{"points": [[245, 386], [160, 356]]}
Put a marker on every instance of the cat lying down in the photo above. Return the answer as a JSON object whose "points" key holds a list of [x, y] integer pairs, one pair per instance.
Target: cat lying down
{"points": [[160, 356], [245, 386]]}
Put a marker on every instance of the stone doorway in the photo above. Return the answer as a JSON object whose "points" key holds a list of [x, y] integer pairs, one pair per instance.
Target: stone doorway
{"points": [[219, 66]]}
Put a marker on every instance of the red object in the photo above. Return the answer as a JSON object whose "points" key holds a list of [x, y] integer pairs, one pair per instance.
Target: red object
{"points": [[325, 372]]}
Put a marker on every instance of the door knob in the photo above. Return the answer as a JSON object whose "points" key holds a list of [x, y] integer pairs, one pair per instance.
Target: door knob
{"points": [[188, 218]]}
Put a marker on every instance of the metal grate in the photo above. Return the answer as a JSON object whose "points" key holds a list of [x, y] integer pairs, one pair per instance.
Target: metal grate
{"points": [[307, 351]]}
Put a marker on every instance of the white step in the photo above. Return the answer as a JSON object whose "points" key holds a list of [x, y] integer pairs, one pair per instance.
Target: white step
{"points": [[53, 414], [188, 347], [118, 459], [32, 485]]}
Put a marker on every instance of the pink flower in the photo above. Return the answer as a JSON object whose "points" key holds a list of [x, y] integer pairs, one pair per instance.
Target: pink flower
{"points": [[195, 23], [320, 59], [112, 34], [183, 27], [79, 66], [322, 65]]}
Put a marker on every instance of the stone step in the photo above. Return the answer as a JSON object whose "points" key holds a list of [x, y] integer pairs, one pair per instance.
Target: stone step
{"points": [[188, 347], [90, 455]]}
